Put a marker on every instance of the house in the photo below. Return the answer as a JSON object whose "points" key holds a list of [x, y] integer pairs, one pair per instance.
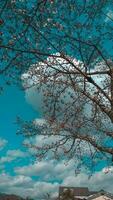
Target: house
{"points": [[82, 193], [101, 195], [77, 192]]}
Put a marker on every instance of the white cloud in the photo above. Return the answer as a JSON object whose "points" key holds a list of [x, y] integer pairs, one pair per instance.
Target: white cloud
{"points": [[58, 171], [48, 175], [14, 184], [98, 181], [39, 121], [25, 186], [32, 78], [34, 98], [3, 143], [36, 169], [12, 155], [50, 170], [108, 169]]}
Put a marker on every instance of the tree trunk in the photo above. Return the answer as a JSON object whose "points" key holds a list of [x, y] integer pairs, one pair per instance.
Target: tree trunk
{"points": [[111, 114]]}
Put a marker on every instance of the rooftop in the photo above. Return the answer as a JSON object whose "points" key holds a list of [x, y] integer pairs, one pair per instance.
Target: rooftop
{"points": [[78, 191]]}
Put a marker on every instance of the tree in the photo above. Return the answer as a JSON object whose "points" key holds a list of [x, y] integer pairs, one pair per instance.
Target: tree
{"points": [[67, 194], [66, 48], [17, 48], [30, 32], [77, 110]]}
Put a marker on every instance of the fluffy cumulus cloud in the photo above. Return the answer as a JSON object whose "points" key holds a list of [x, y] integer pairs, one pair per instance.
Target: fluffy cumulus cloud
{"points": [[26, 186], [34, 98], [49, 175], [98, 181], [15, 184], [31, 79], [65, 175], [12, 155], [3, 143], [42, 177], [47, 170]]}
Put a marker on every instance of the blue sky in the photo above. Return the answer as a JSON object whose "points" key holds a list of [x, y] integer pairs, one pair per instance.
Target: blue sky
{"points": [[13, 104]]}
